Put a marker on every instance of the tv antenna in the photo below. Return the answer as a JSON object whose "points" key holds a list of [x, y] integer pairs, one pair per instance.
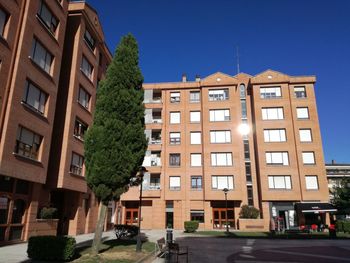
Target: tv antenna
{"points": [[237, 58]]}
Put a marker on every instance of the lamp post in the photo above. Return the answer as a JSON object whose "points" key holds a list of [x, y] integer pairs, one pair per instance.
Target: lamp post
{"points": [[140, 175], [225, 191]]}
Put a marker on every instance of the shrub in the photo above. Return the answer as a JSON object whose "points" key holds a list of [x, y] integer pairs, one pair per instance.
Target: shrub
{"points": [[249, 212], [125, 231], [339, 226], [51, 248], [191, 226], [48, 213]]}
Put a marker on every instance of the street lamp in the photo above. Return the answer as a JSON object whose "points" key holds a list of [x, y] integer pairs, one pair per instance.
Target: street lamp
{"points": [[140, 175], [225, 191]]}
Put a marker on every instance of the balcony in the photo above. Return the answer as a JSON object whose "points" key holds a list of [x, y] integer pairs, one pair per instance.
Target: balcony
{"points": [[153, 159], [153, 116], [153, 96], [156, 137]]}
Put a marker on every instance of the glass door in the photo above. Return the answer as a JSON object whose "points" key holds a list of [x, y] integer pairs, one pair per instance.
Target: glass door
{"points": [[219, 218], [131, 216]]}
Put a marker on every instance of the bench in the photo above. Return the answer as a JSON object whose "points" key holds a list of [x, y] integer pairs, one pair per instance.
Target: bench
{"points": [[175, 249], [160, 247]]}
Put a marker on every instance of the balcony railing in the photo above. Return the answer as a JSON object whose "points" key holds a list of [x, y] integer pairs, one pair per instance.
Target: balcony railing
{"points": [[77, 170], [154, 187], [26, 150], [155, 141]]}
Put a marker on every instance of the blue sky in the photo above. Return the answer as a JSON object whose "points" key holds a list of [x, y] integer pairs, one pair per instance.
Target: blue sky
{"points": [[296, 37]]}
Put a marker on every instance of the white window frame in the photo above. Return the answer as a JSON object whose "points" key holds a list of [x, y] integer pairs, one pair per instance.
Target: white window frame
{"points": [[311, 182], [175, 97], [303, 113], [301, 90], [220, 136], [269, 135], [196, 138], [193, 96], [305, 135], [270, 92], [215, 115], [218, 182], [218, 94], [175, 117], [175, 138], [221, 159], [277, 158], [195, 116], [196, 159], [280, 182], [174, 182], [309, 158], [275, 113]]}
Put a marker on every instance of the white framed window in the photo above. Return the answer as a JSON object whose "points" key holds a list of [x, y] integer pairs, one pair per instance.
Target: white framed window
{"points": [[196, 138], [86, 68], [219, 115], [300, 92], [34, 97], [275, 135], [272, 113], [174, 97], [221, 159], [41, 56], [270, 92], [303, 113], [277, 158], [218, 94], [175, 182], [195, 96], [308, 157], [196, 159], [3, 21], [220, 136], [280, 182], [84, 98], [175, 138], [305, 135], [219, 182], [311, 182], [175, 117], [195, 116]]}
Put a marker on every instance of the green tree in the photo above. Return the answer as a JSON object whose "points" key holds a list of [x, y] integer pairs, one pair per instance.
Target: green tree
{"points": [[115, 144], [341, 196]]}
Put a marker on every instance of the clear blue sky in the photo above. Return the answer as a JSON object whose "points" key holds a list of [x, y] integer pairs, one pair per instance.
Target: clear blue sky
{"points": [[296, 37]]}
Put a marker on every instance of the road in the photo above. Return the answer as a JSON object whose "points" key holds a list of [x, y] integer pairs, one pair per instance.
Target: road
{"points": [[240, 250]]}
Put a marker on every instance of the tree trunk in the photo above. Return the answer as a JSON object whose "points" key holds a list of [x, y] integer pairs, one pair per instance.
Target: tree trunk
{"points": [[99, 229]]}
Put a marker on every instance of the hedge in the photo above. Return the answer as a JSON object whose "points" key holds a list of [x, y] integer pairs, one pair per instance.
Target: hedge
{"points": [[249, 212], [51, 248], [343, 226], [191, 226]]}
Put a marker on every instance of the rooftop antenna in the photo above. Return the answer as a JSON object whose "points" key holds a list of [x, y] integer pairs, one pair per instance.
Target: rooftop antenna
{"points": [[237, 57]]}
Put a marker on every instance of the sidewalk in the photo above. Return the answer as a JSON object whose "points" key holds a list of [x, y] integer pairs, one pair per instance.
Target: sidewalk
{"points": [[18, 253]]}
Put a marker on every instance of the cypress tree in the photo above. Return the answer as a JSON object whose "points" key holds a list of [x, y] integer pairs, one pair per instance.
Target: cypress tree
{"points": [[115, 144]]}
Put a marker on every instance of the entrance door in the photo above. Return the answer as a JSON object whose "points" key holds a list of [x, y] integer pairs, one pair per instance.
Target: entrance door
{"points": [[131, 216], [169, 219], [219, 218]]}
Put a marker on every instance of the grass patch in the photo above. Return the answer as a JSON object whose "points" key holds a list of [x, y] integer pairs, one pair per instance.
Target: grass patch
{"points": [[115, 251]]}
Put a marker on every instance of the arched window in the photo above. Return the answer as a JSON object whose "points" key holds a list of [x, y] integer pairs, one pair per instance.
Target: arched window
{"points": [[242, 91]]}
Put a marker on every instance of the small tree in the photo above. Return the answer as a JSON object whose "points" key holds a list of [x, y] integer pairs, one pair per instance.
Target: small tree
{"points": [[341, 196], [115, 144], [249, 212]]}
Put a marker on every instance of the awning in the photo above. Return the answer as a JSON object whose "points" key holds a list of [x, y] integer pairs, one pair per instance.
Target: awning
{"points": [[315, 207]]}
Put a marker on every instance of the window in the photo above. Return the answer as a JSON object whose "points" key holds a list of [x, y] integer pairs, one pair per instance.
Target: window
{"points": [[34, 97], [244, 109], [270, 92], [197, 215], [175, 138], [46, 16], [175, 117], [86, 68], [280, 182], [221, 182], [90, 41], [80, 129], [300, 92], [246, 150], [174, 97], [248, 172], [275, 135], [195, 116], [195, 96], [272, 113], [242, 91], [250, 195], [196, 182], [76, 166], [220, 136], [28, 143], [174, 159], [3, 21], [196, 159], [219, 115], [195, 137], [277, 158], [154, 181], [221, 159], [174, 182], [84, 98], [41, 56], [308, 157], [303, 113], [311, 182], [305, 135], [218, 94]]}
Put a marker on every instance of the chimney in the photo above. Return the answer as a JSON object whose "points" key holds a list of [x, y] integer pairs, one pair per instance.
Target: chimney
{"points": [[184, 77], [333, 161], [198, 78]]}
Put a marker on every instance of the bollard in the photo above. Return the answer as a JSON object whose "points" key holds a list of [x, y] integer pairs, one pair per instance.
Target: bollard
{"points": [[169, 236]]}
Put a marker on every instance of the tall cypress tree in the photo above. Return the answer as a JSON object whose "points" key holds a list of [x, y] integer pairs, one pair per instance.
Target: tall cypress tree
{"points": [[115, 144]]}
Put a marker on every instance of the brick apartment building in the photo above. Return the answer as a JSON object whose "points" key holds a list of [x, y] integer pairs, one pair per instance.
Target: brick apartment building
{"points": [[52, 55], [258, 136]]}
